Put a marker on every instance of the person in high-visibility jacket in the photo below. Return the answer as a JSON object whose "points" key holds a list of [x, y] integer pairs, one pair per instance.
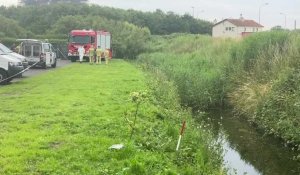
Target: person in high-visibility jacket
{"points": [[17, 49], [91, 54], [106, 56], [98, 55]]}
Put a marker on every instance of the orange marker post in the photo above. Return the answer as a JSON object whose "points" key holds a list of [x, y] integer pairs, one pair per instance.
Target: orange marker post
{"points": [[181, 133]]}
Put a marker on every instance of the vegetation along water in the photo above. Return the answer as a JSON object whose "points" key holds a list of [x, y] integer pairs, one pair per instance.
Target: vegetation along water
{"points": [[256, 76]]}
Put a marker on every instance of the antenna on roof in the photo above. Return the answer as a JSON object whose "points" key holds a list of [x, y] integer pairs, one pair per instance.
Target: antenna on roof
{"points": [[241, 17]]}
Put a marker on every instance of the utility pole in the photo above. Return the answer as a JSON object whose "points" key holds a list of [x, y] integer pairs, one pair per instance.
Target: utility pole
{"points": [[193, 11], [259, 12], [284, 19]]}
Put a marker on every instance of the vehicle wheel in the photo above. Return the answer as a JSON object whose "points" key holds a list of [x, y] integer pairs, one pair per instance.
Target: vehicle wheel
{"points": [[3, 76], [54, 64]]}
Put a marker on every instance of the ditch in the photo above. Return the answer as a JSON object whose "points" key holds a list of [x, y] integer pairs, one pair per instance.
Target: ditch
{"points": [[249, 151]]}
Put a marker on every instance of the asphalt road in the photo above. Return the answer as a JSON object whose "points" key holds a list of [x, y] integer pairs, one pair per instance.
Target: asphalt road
{"points": [[37, 70]]}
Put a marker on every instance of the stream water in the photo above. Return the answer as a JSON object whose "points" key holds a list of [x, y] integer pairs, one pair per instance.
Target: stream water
{"points": [[248, 151]]}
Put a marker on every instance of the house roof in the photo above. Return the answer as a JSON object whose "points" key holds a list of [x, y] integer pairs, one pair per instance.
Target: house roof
{"points": [[242, 22]]}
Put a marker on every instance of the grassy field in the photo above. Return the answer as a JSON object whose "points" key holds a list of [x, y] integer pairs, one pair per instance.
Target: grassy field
{"points": [[64, 121]]}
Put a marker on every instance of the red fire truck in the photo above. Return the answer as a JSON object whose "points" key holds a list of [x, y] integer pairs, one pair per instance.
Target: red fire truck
{"points": [[86, 38]]}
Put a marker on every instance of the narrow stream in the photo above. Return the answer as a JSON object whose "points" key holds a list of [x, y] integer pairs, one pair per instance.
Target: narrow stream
{"points": [[248, 151]]}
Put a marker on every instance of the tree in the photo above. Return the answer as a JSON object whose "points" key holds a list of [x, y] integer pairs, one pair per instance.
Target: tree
{"points": [[11, 28], [277, 28], [67, 23], [46, 2]]}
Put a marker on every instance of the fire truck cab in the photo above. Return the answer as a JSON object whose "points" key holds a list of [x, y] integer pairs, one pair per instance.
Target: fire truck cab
{"points": [[86, 38]]}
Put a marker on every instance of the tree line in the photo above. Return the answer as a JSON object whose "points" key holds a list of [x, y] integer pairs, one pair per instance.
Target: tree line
{"points": [[39, 19], [46, 2]]}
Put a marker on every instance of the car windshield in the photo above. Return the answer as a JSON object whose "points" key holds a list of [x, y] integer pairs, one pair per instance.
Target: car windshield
{"points": [[1, 52], [4, 49], [80, 39]]}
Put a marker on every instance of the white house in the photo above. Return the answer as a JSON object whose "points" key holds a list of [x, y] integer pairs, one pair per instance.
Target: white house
{"points": [[236, 28]]}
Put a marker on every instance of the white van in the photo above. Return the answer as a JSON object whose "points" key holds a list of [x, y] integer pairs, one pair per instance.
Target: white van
{"points": [[39, 52], [9, 67]]}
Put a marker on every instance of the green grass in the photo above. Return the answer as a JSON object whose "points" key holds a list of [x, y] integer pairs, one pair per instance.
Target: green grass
{"points": [[64, 121]]}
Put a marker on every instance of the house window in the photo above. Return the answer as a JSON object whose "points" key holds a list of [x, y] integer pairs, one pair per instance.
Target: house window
{"points": [[245, 29], [256, 29], [229, 29], [253, 29]]}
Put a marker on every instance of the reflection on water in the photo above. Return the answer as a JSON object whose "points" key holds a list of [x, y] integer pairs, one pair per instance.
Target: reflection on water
{"points": [[234, 161], [248, 151]]}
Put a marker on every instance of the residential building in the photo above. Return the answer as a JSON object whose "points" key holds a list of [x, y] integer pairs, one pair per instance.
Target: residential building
{"points": [[236, 28]]}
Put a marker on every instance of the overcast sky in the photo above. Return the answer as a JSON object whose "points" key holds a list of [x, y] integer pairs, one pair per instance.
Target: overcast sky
{"points": [[214, 9]]}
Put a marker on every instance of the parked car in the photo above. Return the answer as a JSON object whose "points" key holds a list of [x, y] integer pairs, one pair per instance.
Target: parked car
{"points": [[6, 50], [9, 67], [39, 52]]}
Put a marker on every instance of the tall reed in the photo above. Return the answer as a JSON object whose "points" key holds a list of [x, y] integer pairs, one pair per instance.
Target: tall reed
{"points": [[257, 75]]}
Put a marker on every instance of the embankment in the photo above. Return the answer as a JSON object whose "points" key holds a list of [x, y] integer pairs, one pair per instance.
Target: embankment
{"points": [[258, 76]]}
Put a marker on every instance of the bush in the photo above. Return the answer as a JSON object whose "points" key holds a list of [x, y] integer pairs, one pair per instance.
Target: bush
{"points": [[11, 28], [280, 110]]}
